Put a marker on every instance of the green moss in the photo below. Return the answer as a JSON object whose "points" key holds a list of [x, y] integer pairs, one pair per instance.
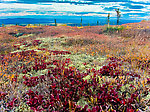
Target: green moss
{"points": [[82, 102], [114, 29], [25, 36], [23, 107]]}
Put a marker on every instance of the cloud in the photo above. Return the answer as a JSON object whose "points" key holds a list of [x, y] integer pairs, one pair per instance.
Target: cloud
{"points": [[16, 14], [31, 14], [145, 1], [74, 7], [145, 17], [8, 0], [133, 15], [95, 14]]}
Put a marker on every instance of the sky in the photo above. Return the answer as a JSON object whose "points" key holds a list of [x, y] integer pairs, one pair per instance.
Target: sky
{"points": [[130, 9]]}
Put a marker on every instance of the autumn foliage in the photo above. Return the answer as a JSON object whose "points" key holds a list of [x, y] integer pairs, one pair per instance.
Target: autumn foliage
{"points": [[39, 72]]}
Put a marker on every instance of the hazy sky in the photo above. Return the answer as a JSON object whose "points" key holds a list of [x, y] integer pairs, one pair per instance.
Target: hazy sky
{"points": [[136, 9]]}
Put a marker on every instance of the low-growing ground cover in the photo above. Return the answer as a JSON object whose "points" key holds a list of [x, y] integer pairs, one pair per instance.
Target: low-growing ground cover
{"points": [[74, 69]]}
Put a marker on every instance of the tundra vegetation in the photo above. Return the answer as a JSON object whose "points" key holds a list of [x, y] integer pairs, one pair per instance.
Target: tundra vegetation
{"points": [[75, 69]]}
